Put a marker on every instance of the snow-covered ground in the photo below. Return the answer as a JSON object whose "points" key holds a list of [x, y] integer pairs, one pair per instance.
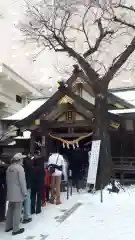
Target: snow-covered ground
{"points": [[84, 217]]}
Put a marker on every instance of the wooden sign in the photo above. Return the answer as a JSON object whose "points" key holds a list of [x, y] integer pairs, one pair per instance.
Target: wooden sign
{"points": [[37, 122], [114, 124], [93, 162]]}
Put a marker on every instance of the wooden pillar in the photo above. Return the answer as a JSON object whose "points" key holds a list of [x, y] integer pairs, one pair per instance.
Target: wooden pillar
{"points": [[49, 145], [122, 178], [43, 148], [46, 146]]}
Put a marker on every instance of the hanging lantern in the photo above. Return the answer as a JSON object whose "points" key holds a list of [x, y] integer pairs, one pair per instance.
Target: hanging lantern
{"points": [[63, 145]]}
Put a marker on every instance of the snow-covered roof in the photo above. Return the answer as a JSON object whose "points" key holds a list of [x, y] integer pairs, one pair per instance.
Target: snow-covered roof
{"points": [[12, 143], [27, 110], [122, 111], [127, 95], [26, 135]]}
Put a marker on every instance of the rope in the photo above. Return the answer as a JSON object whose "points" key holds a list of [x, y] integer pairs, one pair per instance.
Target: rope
{"points": [[72, 141]]}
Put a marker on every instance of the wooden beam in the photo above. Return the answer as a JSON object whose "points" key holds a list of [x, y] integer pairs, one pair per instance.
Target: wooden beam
{"points": [[89, 106], [69, 135], [111, 96], [59, 109], [82, 111], [128, 116], [53, 124], [49, 104]]}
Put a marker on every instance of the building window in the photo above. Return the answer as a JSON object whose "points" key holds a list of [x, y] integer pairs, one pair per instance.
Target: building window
{"points": [[18, 99]]}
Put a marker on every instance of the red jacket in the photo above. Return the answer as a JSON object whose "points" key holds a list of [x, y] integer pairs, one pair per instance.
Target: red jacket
{"points": [[47, 178]]}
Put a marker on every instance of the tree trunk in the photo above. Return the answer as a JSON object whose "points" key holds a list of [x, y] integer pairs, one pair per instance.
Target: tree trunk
{"points": [[101, 127]]}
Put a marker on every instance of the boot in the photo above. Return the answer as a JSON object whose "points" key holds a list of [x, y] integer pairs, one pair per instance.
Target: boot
{"points": [[20, 231], [8, 230], [58, 201], [51, 200], [28, 220]]}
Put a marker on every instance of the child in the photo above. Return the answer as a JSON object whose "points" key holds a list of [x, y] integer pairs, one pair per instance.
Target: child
{"points": [[45, 190], [47, 184]]}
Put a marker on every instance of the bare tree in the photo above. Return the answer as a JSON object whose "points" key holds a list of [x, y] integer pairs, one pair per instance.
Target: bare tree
{"points": [[63, 25]]}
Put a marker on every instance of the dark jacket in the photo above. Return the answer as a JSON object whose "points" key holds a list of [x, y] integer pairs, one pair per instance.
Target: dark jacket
{"points": [[38, 173], [3, 169], [28, 172]]}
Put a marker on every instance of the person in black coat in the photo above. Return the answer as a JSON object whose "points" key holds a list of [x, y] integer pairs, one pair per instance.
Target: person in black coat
{"points": [[76, 168], [27, 164], [37, 185], [3, 168]]}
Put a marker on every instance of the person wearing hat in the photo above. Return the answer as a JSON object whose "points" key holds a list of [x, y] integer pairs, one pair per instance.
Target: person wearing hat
{"points": [[16, 193]]}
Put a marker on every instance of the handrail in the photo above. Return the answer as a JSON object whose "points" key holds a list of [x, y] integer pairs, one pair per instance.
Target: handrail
{"points": [[123, 161]]}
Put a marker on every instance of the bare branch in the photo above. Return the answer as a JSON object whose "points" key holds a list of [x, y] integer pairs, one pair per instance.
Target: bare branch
{"points": [[60, 28], [102, 35], [83, 26], [131, 8], [120, 61], [123, 22], [82, 62]]}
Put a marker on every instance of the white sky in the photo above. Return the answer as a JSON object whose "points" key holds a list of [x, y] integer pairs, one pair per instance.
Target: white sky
{"points": [[15, 54], [18, 56]]}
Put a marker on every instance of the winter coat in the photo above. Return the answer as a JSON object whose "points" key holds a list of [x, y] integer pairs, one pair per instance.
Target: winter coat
{"points": [[16, 183], [38, 174], [3, 168], [46, 178], [28, 172], [57, 160]]}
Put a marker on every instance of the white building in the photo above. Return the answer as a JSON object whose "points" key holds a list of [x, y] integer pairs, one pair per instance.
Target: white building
{"points": [[15, 91]]}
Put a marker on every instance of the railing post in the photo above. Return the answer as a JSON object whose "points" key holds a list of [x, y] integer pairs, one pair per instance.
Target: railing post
{"points": [[101, 193], [70, 177], [68, 189]]}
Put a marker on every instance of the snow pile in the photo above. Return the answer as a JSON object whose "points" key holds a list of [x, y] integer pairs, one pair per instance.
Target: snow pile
{"points": [[111, 220]]}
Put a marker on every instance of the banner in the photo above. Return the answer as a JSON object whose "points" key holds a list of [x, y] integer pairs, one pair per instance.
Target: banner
{"points": [[93, 162]]}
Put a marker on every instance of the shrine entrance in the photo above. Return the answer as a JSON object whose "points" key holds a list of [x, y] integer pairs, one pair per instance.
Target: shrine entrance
{"points": [[76, 155]]}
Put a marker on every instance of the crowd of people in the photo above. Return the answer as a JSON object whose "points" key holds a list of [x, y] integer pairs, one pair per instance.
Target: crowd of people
{"points": [[30, 183]]}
